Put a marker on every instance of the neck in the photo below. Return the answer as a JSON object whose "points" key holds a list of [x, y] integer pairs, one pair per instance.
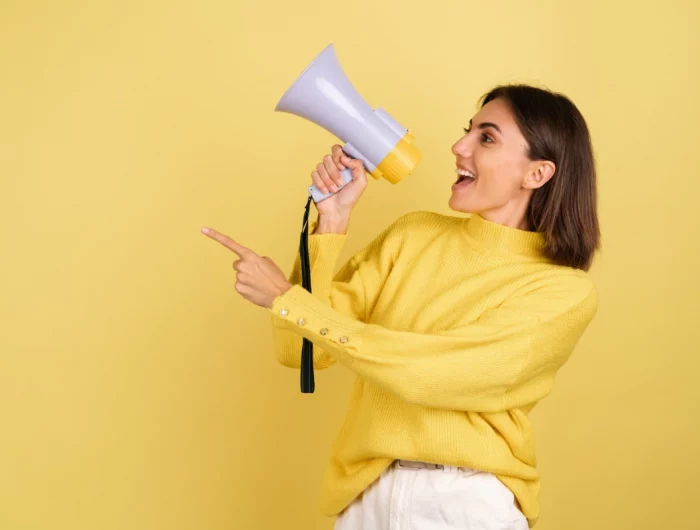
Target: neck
{"points": [[512, 214], [499, 237]]}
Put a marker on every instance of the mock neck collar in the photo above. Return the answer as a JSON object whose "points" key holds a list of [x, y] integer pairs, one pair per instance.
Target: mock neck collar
{"points": [[501, 238]]}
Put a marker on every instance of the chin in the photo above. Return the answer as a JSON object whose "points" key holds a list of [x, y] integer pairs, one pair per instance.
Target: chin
{"points": [[463, 207]]}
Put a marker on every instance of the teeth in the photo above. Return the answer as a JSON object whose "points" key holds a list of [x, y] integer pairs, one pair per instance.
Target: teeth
{"points": [[465, 173]]}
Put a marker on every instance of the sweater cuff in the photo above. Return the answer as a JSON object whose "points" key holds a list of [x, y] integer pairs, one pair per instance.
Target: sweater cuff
{"points": [[300, 311], [324, 250]]}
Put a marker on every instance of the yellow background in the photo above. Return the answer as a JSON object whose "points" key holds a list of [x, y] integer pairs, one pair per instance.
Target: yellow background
{"points": [[138, 390]]}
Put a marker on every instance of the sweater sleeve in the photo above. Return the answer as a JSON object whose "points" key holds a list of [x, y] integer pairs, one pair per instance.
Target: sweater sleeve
{"points": [[505, 359], [346, 293]]}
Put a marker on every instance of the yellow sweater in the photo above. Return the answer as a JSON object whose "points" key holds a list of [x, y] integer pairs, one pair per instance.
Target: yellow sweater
{"points": [[455, 327]]}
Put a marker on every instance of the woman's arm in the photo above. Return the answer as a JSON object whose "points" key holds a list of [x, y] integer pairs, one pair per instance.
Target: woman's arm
{"points": [[506, 359], [344, 292]]}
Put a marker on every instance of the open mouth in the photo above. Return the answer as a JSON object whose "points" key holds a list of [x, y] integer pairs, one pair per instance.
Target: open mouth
{"points": [[464, 178]]}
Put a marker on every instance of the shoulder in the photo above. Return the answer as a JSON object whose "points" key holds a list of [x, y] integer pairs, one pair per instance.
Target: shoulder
{"points": [[424, 216], [421, 222], [415, 229], [407, 230], [560, 289], [575, 283]]}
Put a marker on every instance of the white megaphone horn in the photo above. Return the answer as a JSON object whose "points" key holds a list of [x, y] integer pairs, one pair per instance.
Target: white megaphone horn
{"points": [[324, 95]]}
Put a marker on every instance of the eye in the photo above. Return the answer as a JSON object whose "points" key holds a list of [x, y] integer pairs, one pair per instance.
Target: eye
{"points": [[485, 138]]}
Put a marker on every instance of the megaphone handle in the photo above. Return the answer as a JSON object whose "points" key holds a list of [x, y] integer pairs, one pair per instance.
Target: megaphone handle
{"points": [[317, 195]]}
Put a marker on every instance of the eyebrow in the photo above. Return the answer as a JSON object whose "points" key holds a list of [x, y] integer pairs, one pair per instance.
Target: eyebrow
{"points": [[486, 124]]}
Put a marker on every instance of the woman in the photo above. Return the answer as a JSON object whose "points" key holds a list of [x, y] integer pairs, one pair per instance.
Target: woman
{"points": [[455, 326]]}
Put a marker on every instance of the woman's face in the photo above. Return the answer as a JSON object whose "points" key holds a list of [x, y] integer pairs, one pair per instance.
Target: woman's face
{"points": [[494, 151]]}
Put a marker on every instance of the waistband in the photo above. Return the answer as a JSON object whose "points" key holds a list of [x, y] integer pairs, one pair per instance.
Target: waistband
{"points": [[411, 464]]}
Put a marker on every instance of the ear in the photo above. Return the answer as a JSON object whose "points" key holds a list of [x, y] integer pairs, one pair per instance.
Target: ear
{"points": [[539, 174]]}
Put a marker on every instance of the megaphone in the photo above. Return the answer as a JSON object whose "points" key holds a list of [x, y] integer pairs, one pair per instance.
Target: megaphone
{"points": [[325, 96]]}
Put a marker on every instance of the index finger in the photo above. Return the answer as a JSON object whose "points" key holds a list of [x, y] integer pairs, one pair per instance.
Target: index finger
{"points": [[227, 242]]}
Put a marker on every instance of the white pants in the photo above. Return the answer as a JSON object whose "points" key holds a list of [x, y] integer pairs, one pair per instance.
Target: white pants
{"points": [[411, 496]]}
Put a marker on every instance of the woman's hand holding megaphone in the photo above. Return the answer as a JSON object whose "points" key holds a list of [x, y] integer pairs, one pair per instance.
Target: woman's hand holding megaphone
{"points": [[327, 178]]}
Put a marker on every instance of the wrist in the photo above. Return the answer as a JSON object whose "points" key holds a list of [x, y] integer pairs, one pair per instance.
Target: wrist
{"points": [[332, 224]]}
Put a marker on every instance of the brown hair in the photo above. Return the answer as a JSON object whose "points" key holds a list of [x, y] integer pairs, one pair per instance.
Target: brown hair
{"points": [[565, 208]]}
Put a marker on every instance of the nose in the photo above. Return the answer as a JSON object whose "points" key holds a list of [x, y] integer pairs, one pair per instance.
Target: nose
{"points": [[462, 148]]}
